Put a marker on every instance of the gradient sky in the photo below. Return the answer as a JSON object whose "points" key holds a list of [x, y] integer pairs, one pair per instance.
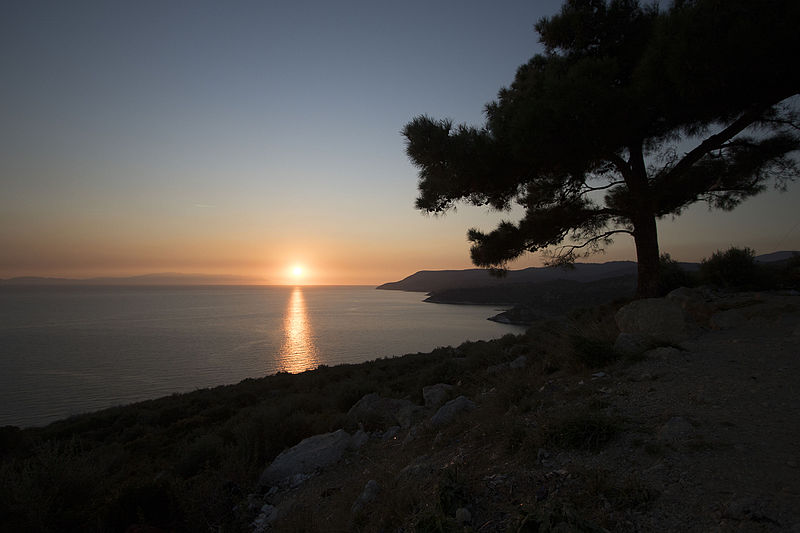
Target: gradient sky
{"points": [[245, 137]]}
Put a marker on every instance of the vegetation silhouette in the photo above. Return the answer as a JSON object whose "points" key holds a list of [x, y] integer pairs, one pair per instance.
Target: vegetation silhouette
{"points": [[591, 137]]}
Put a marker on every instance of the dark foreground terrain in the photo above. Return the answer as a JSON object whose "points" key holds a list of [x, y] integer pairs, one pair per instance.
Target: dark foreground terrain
{"points": [[560, 433]]}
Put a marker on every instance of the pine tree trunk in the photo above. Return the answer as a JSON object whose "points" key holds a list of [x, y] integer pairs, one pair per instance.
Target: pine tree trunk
{"points": [[645, 235]]}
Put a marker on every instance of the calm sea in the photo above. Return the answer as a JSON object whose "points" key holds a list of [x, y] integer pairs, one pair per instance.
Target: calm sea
{"points": [[68, 350]]}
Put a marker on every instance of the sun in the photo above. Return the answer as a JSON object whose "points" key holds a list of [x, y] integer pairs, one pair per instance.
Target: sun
{"points": [[297, 271]]}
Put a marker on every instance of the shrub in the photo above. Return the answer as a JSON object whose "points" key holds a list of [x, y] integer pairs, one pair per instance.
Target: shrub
{"points": [[784, 274], [733, 268], [791, 272]]}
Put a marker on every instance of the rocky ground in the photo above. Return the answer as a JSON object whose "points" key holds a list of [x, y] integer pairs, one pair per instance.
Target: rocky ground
{"points": [[701, 433]]}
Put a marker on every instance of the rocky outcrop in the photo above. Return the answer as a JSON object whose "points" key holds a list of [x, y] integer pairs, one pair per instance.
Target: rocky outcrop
{"points": [[518, 363], [298, 463], [376, 412], [695, 302], [436, 395], [728, 319], [652, 322], [684, 313], [366, 497], [634, 343], [449, 411]]}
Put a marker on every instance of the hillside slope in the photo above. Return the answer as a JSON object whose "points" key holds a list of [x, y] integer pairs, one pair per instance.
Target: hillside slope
{"points": [[701, 438]]}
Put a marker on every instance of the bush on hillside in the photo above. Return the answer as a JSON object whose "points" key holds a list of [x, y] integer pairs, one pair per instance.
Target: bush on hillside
{"points": [[790, 276], [782, 274], [735, 268]]}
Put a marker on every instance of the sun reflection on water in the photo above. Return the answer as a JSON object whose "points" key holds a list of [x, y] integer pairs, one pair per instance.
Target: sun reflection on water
{"points": [[298, 352]]}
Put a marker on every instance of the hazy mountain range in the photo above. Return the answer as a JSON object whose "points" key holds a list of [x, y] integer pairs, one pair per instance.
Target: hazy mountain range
{"points": [[422, 281], [166, 278], [440, 280]]}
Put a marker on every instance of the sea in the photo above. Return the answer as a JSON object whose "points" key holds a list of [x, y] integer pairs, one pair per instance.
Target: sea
{"points": [[66, 350]]}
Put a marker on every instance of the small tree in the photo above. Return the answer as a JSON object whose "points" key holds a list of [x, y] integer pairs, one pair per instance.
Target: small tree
{"points": [[586, 139]]}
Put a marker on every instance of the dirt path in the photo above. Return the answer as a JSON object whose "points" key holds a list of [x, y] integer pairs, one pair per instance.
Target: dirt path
{"points": [[721, 422]]}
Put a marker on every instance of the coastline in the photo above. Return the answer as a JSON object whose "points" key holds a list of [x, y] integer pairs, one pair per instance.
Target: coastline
{"points": [[71, 350]]}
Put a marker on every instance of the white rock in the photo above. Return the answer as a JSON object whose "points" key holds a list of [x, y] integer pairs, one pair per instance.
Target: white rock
{"points": [[391, 433], [496, 369], [518, 363], [647, 323], [268, 514], [374, 410], [448, 412], [359, 439], [663, 353], [693, 301], [661, 319], [367, 496], [309, 455], [436, 395]]}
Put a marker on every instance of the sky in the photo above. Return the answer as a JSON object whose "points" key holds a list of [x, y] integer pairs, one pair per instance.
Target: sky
{"points": [[247, 138]]}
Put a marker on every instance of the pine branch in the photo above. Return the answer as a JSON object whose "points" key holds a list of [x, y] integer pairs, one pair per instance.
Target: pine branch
{"points": [[716, 141], [572, 247]]}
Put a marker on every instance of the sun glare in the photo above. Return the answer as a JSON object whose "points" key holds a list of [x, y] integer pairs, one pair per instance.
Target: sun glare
{"points": [[297, 271]]}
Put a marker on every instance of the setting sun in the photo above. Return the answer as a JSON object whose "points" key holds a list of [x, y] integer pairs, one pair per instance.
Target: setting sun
{"points": [[297, 271]]}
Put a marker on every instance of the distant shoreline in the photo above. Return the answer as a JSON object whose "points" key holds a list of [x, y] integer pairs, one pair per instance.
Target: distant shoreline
{"points": [[57, 282]]}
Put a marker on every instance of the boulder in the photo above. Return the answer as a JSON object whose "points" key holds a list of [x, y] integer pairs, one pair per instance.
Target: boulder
{"points": [[303, 459], [436, 395], [359, 439], [448, 412], [729, 319], [463, 516], [518, 363], [375, 411], [633, 343], [496, 369], [694, 302], [419, 468], [665, 353], [391, 433], [647, 323], [367, 496], [268, 514]]}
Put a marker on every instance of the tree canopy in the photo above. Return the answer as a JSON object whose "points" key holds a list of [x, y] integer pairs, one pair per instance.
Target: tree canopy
{"points": [[590, 138]]}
